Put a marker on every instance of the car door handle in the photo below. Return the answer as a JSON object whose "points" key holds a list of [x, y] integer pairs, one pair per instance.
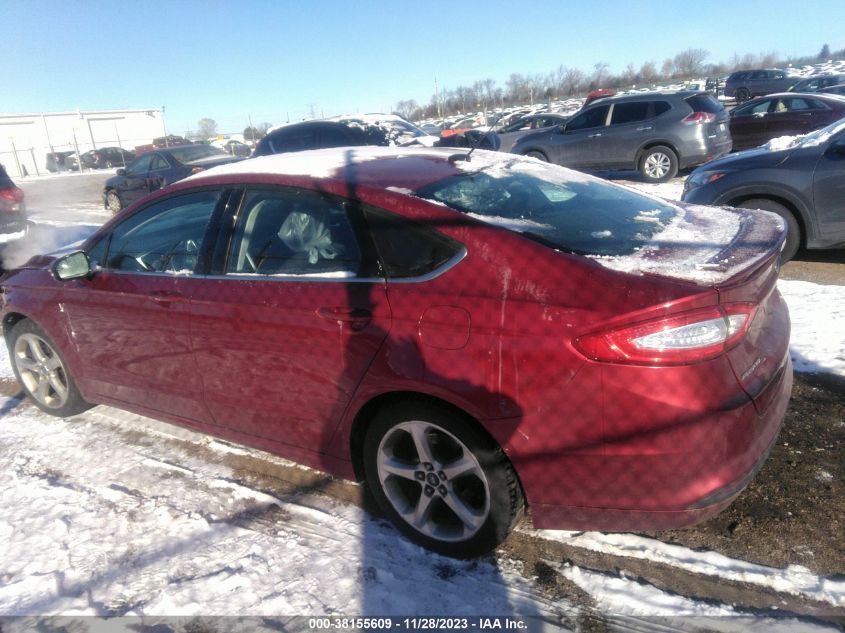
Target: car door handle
{"points": [[594, 135], [357, 317], [165, 297], [644, 129]]}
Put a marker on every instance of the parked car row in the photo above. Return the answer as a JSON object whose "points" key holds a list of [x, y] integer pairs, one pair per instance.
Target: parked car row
{"points": [[12, 206]]}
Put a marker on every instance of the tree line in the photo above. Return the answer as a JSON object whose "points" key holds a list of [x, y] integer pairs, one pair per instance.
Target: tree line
{"points": [[564, 82]]}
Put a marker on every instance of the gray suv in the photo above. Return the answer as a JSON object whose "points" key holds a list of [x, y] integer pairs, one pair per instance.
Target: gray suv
{"points": [[744, 84], [657, 133]]}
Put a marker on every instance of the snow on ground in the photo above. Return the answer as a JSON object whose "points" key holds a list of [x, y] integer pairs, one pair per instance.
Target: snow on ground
{"points": [[93, 524]]}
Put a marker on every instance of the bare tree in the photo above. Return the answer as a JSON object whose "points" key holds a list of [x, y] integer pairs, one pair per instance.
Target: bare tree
{"points": [[407, 108], [206, 128], [690, 63], [648, 73], [573, 81], [668, 68], [600, 74]]}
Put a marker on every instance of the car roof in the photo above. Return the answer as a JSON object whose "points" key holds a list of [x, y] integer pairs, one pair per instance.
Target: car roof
{"points": [[400, 169], [649, 95]]}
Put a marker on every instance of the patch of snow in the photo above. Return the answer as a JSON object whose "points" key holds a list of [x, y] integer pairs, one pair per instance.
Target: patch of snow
{"points": [[817, 313], [794, 579], [782, 142], [631, 604]]}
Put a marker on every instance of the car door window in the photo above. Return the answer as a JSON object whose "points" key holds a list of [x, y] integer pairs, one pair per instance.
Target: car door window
{"points": [[296, 233], [332, 137], [158, 162], [140, 166], [758, 107], [629, 112], [594, 117], [164, 237], [293, 141], [800, 104], [408, 249]]}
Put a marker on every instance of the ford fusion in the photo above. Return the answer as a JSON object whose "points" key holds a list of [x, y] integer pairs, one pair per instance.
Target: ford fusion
{"points": [[472, 335]]}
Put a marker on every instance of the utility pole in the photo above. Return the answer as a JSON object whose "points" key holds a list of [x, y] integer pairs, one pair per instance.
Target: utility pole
{"points": [[437, 99]]}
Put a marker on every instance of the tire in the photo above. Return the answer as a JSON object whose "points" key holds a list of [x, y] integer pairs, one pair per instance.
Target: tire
{"points": [[109, 164], [113, 201], [742, 94], [658, 164], [537, 154], [793, 229], [42, 372], [409, 453]]}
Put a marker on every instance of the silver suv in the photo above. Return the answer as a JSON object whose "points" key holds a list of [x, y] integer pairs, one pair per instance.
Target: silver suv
{"points": [[657, 133]]}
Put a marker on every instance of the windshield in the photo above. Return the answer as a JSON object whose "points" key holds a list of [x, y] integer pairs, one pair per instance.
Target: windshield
{"points": [[557, 207], [190, 153]]}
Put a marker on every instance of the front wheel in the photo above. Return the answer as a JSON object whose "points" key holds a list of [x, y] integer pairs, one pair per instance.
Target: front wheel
{"points": [[658, 164], [742, 94], [113, 201], [441, 480], [793, 230], [42, 371]]}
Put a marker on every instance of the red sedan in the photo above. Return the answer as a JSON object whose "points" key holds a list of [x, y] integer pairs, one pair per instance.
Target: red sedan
{"points": [[467, 334]]}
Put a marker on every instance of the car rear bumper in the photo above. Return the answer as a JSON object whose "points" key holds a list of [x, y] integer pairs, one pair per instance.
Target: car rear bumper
{"points": [[636, 483]]}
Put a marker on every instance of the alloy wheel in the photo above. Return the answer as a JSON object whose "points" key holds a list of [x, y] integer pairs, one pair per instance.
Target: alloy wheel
{"points": [[433, 481], [657, 165], [41, 370]]}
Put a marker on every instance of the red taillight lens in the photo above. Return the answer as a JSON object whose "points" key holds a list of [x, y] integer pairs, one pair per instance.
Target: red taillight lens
{"points": [[12, 194], [674, 340], [699, 117]]}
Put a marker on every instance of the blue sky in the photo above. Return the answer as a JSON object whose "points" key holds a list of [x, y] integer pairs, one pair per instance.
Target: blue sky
{"points": [[276, 61]]}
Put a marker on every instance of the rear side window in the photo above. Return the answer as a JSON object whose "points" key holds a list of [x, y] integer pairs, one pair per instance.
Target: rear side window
{"points": [[629, 112], [705, 103], [293, 141], [594, 117], [408, 249]]}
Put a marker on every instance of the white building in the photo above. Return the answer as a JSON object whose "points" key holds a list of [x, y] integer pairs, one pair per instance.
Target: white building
{"points": [[26, 139]]}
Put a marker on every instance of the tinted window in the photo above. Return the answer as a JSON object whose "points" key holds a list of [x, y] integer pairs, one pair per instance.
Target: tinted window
{"points": [[760, 74], [408, 249], [551, 206], [190, 153], [158, 162], [165, 237], [293, 140], [333, 137], [661, 106], [140, 166], [755, 107], [797, 104], [704, 103], [594, 117], [629, 112], [295, 233]]}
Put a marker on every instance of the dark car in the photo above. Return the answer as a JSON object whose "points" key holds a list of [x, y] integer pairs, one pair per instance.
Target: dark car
{"points": [[744, 84], [803, 183], [508, 134], [785, 114], [62, 161], [817, 83], [657, 133], [465, 337], [106, 158], [838, 89], [372, 129], [12, 206], [158, 168]]}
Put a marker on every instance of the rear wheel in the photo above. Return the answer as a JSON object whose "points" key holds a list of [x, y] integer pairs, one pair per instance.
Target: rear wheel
{"points": [[42, 371], [113, 201], [742, 94], [658, 164], [793, 229], [440, 479]]}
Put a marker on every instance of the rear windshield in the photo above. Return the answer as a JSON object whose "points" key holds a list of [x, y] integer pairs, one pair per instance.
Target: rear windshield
{"points": [[704, 103], [556, 207], [190, 153]]}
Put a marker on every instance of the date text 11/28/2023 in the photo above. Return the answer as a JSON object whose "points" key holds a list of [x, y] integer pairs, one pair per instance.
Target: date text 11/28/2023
{"points": [[422, 623]]}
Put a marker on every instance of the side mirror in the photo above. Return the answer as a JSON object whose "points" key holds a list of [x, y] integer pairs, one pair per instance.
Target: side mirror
{"points": [[562, 128], [121, 172], [72, 266]]}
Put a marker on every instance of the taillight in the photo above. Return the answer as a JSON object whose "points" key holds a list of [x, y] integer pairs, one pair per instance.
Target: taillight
{"points": [[674, 340], [13, 195], [699, 117]]}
